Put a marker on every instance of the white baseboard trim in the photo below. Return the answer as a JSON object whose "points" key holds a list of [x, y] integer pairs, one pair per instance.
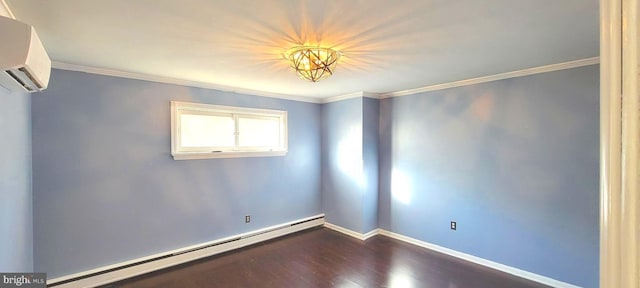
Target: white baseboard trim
{"points": [[370, 234], [484, 262], [103, 275], [352, 233], [464, 256]]}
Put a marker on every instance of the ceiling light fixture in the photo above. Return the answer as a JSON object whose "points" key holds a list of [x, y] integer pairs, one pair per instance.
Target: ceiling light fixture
{"points": [[313, 63]]}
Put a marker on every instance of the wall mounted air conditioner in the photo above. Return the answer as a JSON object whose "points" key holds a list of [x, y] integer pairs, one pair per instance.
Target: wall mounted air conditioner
{"points": [[24, 64]]}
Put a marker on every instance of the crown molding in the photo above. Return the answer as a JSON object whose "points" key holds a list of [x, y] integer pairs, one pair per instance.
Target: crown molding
{"points": [[483, 79], [169, 80], [371, 95], [5, 10], [501, 76], [351, 95]]}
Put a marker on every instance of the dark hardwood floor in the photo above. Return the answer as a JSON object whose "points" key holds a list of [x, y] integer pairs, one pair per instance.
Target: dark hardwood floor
{"points": [[324, 258]]}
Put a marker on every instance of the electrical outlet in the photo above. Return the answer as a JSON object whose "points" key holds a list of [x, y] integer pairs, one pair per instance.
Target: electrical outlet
{"points": [[247, 219], [453, 225]]}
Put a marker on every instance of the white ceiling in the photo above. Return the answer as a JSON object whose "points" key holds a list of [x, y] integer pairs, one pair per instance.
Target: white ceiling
{"points": [[386, 46]]}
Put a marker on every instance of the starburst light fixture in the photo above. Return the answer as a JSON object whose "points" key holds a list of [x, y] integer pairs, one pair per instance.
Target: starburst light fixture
{"points": [[313, 63]]}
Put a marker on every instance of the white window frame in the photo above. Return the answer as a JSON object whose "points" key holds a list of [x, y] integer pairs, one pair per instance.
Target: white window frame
{"points": [[185, 153]]}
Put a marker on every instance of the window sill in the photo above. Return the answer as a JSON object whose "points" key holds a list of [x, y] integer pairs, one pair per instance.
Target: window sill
{"points": [[213, 155]]}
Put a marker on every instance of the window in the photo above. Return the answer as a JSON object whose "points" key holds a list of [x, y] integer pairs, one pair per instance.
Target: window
{"points": [[200, 131]]}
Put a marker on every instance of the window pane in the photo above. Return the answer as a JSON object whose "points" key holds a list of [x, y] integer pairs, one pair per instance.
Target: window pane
{"points": [[259, 132], [206, 131]]}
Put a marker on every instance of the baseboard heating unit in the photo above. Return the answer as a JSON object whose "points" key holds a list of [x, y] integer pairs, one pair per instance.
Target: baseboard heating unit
{"points": [[124, 270]]}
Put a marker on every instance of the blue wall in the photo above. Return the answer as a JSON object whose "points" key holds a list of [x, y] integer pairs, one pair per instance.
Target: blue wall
{"points": [[370, 128], [350, 163], [106, 189], [342, 166], [514, 162], [16, 242]]}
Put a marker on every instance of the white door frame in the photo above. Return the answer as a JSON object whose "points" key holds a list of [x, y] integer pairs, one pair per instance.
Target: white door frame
{"points": [[619, 144]]}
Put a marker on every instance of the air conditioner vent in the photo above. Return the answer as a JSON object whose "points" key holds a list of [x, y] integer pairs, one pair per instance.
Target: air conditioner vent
{"points": [[25, 79]]}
